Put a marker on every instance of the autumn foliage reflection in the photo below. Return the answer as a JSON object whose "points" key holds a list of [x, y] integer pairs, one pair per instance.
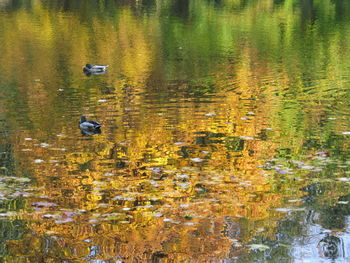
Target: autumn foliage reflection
{"points": [[190, 111]]}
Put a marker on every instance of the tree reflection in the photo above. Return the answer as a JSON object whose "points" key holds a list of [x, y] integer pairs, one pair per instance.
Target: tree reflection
{"points": [[200, 96]]}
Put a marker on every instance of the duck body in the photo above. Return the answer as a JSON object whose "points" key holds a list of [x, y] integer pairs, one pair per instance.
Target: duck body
{"points": [[89, 127]]}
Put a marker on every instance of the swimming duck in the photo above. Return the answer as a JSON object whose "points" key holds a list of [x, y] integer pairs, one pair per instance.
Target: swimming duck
{"points": [[95, 68], [89, 127]]}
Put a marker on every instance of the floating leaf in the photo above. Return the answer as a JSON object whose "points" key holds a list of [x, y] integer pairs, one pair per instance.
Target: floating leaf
{"points": [[183, 185], [22, 179], [281, 171], [246, 138], [189, 223], [26, 150], [260, 247], [20, 193], [156, 169], [50, 216], [65, 220], [8, 214], [44, 204], [197, 160], [103, 205], [209, 114], [322, 154], [287, 210], [182, 176], [307, 167], [294, 200]]}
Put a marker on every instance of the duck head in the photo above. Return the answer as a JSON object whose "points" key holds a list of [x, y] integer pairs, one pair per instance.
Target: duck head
{"points": [[83, 119]]}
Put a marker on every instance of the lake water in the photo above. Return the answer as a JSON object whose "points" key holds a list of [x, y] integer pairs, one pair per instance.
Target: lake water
{"points": [[224, 137]]}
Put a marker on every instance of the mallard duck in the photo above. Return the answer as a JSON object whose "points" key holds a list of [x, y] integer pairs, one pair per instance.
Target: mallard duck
{"points": [[89, 127], [95, 68]]}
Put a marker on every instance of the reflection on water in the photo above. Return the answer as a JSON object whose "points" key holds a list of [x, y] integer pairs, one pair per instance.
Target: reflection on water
{"points": [[224, 131]]}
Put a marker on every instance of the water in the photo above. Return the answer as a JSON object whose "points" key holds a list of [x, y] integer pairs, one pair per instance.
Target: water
{"points": [[224, 131]]}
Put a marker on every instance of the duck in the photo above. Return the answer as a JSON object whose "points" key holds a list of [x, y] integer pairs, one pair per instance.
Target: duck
{"points": [[89, 127], [95, 69]]}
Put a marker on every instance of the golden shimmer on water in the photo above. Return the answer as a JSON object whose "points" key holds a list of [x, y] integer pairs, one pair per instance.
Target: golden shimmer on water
{"points": [[193, 106]]}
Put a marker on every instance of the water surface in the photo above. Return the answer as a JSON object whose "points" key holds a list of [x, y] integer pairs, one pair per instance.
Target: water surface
{"points": [[224, 134]]}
